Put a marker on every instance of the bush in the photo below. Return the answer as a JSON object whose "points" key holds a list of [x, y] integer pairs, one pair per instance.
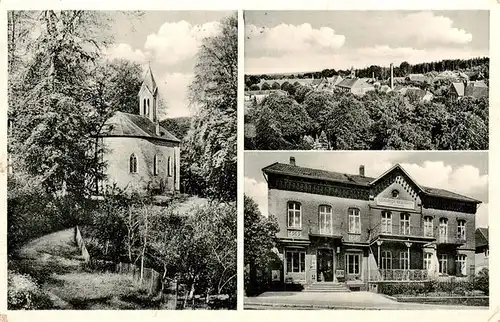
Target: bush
{"points": [[24, 294], [482, 281]]}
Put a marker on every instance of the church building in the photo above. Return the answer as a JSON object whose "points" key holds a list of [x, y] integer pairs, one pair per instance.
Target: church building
{"points": [[141, 155]]}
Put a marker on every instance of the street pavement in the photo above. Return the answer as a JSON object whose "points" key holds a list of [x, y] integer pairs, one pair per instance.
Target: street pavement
{"points": [[339, 300]]}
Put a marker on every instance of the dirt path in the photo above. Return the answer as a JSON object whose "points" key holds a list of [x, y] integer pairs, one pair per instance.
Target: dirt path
{"points": [[55, 263]]}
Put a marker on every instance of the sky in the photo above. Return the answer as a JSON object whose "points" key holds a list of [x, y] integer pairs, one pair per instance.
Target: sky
{"points": [[303, 41], [462, 172], [169, 42]]}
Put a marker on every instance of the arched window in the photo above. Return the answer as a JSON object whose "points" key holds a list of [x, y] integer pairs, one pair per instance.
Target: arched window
{"points": [[169, 166], [155, 165], [144, 107], [294, 215], [133, 163], [148, 106]]}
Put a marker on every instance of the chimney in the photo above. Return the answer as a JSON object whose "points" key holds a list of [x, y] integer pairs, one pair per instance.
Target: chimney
{"points": [[362, 170], [392, 76], [292, 160]]}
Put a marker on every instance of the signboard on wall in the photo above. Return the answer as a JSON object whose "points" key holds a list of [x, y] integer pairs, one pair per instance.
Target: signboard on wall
{"points": [[396, 203], [275, 275]]}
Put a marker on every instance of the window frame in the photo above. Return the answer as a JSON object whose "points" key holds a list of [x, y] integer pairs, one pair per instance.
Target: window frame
{"points": [[354, 264], [301, 267], [461, 229], [133, 163], [155, 165], [294, 210], [322, 215], [443, 258], [169, 166], [356, 214], [428, 226], [385, 259], [443, 223], [404, 224], [386, 223], [404, 260], [427, 261], [461, 261]]}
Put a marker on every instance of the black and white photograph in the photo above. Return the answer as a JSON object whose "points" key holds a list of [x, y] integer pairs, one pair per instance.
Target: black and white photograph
{"points": [[363, 230], [122, 141], [366, 80]]}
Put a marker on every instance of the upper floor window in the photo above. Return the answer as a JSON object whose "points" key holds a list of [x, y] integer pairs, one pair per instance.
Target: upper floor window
{"points": [[155, 165], [354, 221], [144, 107], [133, 163], [325, 220], [461, 229], [294, 215], [405, 224], [443, 229], [428, 227], [386, 223]]}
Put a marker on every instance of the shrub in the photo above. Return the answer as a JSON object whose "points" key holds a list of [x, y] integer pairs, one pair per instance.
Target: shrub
{"points": [[24, 294], [482, 281]]}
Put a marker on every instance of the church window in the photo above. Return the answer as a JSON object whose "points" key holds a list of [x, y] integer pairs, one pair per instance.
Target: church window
{"points": [[155, 165], [169, 166], [133, 163]]}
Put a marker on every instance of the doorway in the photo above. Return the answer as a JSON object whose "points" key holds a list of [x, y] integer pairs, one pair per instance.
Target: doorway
{"points": [[325, 265]]}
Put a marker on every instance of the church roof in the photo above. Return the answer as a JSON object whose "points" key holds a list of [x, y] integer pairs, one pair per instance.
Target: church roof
{"points": [[132, 125], [149, 81], [309, 173]]}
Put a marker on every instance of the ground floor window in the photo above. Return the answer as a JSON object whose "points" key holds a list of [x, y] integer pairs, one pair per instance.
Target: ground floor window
{"points": [[295, 261], [404, 262], [386, 259], [427, 260], [461, 265], [353, 263], [443, 264]]}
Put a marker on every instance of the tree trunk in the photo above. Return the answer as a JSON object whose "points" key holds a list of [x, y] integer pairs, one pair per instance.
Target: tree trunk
{"points": [[253, 275]]}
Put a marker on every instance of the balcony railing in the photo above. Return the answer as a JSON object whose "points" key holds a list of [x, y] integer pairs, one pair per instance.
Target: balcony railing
{"points": [[400, 230], [401, 275], [447, 239]]}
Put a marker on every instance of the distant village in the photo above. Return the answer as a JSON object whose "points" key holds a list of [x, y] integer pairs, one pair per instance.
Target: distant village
{"points": [[413, 84]]}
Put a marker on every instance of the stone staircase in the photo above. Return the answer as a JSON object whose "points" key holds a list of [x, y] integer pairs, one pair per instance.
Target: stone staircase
{"points": [[326, 287]]}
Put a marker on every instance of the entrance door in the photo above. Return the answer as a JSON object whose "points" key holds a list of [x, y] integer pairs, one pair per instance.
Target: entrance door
{"points": [[325, 265]]}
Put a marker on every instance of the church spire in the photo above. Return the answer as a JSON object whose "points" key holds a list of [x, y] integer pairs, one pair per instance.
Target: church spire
{"points": [[148, 96]]}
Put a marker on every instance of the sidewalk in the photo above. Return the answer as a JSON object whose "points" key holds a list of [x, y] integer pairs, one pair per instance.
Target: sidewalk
{"points": [[351, 300]]}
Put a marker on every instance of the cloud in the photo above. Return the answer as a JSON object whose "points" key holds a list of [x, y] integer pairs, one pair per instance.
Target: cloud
{"points": [[257, 190], [173, 88], [426, 28], [285, 39], [125, 51], [178, 41]]}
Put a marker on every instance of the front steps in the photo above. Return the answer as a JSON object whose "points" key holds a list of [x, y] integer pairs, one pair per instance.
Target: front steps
{"points": [[326, 287]]}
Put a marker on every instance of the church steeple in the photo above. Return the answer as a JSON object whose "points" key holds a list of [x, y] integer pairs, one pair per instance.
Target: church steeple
{"points": [[148, 97]]}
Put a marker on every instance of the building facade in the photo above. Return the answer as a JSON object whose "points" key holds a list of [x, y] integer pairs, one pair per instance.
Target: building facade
{"points": [[482, 249], [141, 155], [353, 229]]}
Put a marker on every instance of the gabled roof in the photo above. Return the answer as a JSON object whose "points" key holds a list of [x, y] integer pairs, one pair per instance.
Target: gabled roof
{"points": [[459, 88], [293, 170], [317, 174], [482, 237], [348, 82], [132, 125]]}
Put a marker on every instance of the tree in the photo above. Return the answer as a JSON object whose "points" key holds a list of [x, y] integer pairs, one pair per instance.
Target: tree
{"points": [[275, 85], [254, 87], [55, 125], [266, 87], [259, 234], [210, 146]]}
